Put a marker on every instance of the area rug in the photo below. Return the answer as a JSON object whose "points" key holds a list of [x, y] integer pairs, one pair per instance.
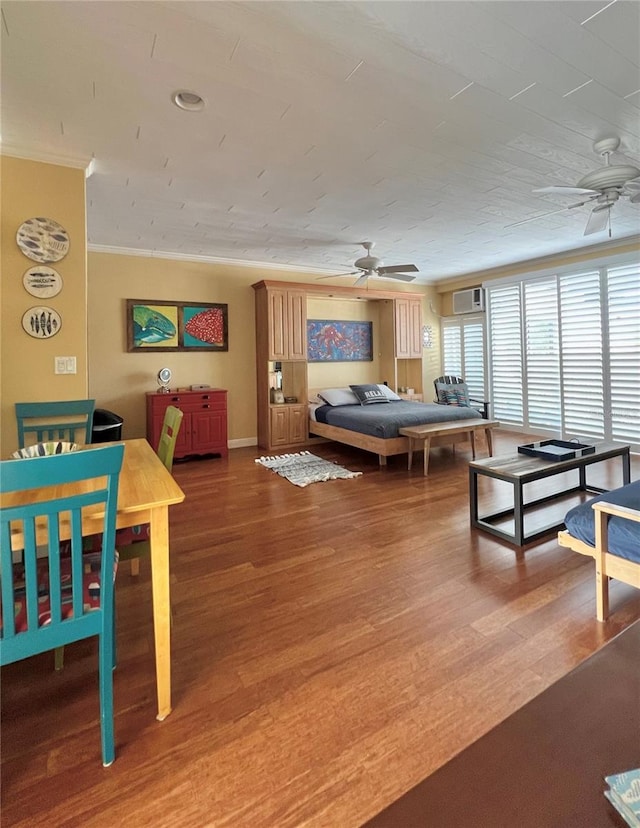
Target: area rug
{"points": [[304, 468]]}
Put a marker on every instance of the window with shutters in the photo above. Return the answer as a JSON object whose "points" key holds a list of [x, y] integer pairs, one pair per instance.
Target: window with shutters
{"points": [[564, 352], [463, 349]]}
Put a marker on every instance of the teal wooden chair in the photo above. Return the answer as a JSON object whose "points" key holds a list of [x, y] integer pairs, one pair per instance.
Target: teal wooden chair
{"points": [[47, 602], [68, 420]]}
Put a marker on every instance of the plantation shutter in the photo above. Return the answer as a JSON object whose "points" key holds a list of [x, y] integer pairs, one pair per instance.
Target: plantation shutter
{"points": [[505, 350], [623, 298], [452, 347], [542, 354], [474, 362], [463, 351], [581, 355]]}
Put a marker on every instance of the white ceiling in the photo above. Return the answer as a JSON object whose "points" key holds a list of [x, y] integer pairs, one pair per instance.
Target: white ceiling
{"points": [[422, 126]]}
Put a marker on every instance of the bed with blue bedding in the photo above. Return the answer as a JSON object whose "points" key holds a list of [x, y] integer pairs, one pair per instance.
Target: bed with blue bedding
{"points": [[607, 528], [375, 427]]}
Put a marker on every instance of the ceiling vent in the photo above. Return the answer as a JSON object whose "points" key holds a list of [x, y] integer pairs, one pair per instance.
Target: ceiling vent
{"points": [[468, 301]]}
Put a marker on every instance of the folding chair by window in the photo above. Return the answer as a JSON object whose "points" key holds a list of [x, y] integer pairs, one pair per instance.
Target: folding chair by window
{"points": [[47, 602], [451, 390]]}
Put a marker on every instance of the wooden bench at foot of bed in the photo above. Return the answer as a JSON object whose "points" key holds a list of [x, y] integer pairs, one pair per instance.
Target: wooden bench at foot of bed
{"points": [[429, 433], [456, 432], [608, 565]]}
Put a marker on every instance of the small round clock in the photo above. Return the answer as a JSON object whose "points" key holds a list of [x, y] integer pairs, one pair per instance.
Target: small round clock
{"points": [[164, 378]]}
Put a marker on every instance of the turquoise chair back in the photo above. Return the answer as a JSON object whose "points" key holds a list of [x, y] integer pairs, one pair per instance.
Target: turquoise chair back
{"points": [[68, 420], [62, 583]]}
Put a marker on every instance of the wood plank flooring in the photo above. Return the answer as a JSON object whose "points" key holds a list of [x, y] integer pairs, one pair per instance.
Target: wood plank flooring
{"points": [[332, 646]]}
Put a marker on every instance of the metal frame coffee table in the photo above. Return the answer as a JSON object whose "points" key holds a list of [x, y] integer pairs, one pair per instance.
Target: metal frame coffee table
{"points": [[520, 469]]}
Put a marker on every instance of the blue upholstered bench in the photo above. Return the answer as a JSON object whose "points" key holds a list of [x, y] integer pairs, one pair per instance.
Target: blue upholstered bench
{"points": [[607, 528]]}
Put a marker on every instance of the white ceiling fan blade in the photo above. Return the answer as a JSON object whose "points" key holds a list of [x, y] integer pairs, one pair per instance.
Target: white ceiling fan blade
{"points": [[566, 191], [550, 213], [633, 184], [361, 281], [403, 277], [598, 219], [409, 268], [635, 199]]}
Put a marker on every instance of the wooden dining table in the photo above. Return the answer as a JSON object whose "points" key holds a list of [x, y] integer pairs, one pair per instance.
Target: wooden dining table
{"points": [[146, 490]]}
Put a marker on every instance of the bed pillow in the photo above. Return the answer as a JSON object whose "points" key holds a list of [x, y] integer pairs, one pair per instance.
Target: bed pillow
{"points": [[389, 394], [369, 394], [338, 396]]}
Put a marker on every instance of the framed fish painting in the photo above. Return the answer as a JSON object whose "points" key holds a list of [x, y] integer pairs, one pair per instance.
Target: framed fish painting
{"points": [[157, 325]]}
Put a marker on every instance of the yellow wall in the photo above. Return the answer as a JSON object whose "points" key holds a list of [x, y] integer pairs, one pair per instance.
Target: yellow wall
{"points": [[119, 380], [30, 189], [92, 308], [341, 374]]}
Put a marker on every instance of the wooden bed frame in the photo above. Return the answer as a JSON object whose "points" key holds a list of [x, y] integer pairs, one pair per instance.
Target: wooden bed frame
{"points": [[383, 447], [607, 564]]}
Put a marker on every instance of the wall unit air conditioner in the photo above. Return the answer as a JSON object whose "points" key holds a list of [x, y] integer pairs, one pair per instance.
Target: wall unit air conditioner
{"points": [[468, 301]]}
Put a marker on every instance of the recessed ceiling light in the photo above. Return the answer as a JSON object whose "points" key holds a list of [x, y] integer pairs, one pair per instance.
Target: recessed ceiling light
{"points": [[188, 100]]}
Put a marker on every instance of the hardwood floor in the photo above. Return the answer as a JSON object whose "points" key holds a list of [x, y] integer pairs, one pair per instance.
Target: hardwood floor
{"points": [[332, 646]]}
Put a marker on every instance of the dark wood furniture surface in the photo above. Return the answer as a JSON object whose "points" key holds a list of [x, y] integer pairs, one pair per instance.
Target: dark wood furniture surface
{"points": [[545, 765], [204, 425], [520, 469]]}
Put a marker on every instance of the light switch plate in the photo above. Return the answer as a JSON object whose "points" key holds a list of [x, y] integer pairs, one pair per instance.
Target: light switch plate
{"points": [[64, 365]]}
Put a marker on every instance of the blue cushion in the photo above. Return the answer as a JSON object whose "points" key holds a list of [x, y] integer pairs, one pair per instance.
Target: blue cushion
{"points": [[623, 535]]}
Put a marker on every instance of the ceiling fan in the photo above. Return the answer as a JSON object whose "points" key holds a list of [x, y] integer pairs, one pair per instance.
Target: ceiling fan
{"points": [[601, 189], [369, 265]]}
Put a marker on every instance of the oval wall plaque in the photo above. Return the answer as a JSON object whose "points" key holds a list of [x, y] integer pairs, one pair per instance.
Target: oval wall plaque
{"points": [[41, 322], [42, 281], [43, 240]]}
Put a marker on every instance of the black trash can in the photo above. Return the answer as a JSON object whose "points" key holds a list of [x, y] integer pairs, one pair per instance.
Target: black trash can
{"points": [[107, 426]]}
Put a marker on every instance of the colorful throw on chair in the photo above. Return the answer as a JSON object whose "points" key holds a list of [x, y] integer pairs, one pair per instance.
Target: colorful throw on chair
{"points": [[304, 468]]}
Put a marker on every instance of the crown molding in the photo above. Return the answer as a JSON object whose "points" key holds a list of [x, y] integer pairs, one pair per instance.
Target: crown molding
{"points": [[77, 162], [192, 257], [476, 278]]}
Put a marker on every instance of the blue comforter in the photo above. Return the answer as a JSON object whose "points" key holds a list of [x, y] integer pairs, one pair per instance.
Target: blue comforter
{"points": [[384, 419], [623, 536]]}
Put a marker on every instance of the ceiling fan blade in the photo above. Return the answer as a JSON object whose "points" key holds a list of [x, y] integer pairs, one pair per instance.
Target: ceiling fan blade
{"points": [[635, 199], [409, 268], [566, 191], [633, 184], [550, 213], [361, 281], [598, 219], [403, 277]]}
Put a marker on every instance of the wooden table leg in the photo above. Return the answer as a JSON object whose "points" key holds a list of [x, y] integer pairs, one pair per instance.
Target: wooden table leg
{"points": [[410, 439], [427, 446], [472, 437], [489, 437], [159, 535]]}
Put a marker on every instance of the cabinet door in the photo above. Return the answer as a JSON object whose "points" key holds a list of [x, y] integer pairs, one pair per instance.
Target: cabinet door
{"points": [[402, 318], [297, 324], [279, 425], [415, 328], [297, 424], [208, 430], [183, 440], [277, 324]]}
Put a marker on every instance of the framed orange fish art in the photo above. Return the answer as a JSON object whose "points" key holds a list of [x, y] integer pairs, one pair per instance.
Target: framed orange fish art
{"points": [[158, 325]]}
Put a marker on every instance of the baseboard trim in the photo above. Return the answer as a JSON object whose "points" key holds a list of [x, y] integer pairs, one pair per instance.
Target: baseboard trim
{"points": [[243, 442]]}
